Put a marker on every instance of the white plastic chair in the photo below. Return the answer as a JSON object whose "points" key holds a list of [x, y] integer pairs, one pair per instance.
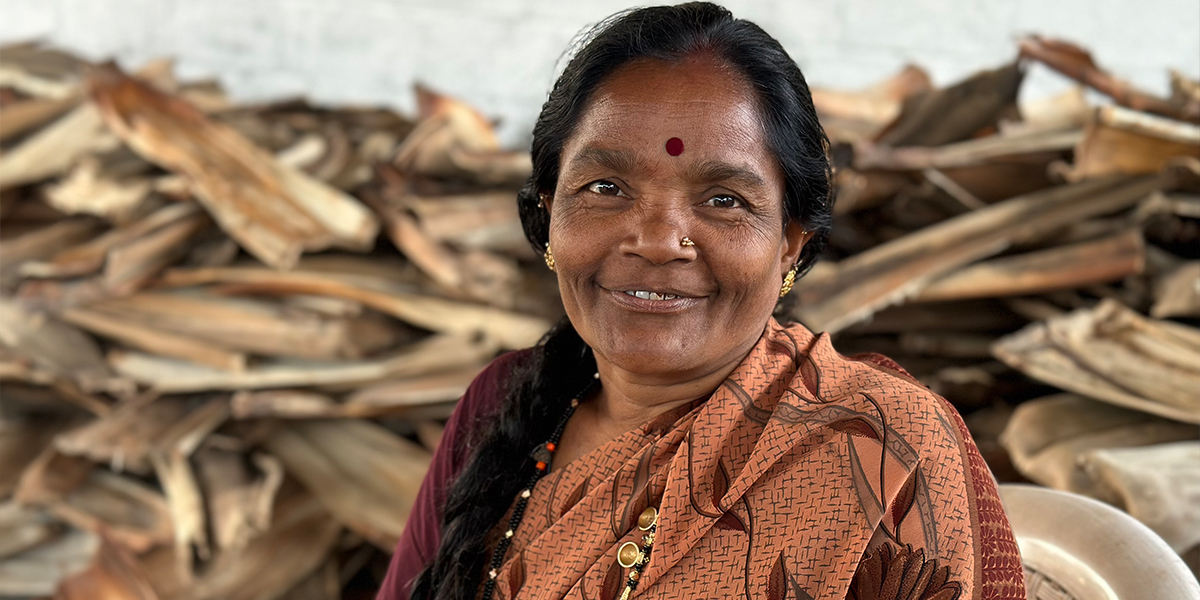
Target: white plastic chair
{"points": [[1077, 548]]}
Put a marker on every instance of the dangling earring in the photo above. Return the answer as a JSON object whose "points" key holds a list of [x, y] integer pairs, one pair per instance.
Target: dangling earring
{"points": [[549, 256], [788, 281]]}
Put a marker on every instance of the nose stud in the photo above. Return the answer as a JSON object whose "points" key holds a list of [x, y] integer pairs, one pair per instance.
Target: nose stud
{"points": [[686, 242]]}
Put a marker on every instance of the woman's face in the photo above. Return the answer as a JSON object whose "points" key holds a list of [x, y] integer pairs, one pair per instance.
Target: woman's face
{"points": [[623, 204]]}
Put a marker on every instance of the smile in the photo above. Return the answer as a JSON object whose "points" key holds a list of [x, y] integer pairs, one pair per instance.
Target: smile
{"points": [[659, 302], [650, 295]]}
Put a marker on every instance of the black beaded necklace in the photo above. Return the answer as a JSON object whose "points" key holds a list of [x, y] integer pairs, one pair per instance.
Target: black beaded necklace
{"points": [[629, 556], [542, 453]]}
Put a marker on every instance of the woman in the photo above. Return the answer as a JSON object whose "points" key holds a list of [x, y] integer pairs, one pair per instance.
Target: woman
{"points": [[669, 438]]}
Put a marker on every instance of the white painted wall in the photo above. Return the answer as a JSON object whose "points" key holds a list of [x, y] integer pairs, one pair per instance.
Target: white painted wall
{"points": [[501, 54]]}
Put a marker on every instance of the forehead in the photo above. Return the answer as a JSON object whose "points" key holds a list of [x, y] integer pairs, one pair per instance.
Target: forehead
{"points": [[703, 101]]}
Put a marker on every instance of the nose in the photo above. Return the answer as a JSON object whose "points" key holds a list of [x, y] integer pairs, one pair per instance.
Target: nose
{"points": [[655, 234]]}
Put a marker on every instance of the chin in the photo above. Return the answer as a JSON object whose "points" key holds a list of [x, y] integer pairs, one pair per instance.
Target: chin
{"points": [[637, 350]]}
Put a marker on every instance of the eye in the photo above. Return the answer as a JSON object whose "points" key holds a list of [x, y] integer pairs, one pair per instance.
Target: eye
{"points": [[604, 188], [724, 201]]}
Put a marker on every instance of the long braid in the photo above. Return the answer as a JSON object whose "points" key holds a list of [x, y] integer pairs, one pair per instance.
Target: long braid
{"points": [[538, 392]]}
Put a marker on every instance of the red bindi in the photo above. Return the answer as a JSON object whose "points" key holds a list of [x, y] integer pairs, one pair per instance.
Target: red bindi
{"points": [[674, 146]]}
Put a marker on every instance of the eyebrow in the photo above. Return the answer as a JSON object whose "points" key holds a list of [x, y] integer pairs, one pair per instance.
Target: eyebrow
{"points": [[710, 171], [618, 161]]}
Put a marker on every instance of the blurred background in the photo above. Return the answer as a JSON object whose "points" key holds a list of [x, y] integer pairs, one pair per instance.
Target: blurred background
{"points": [[251, 253], [502, 56]]}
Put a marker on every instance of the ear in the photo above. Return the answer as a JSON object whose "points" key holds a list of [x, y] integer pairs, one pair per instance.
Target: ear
{"points": [[794, 237], [547, 200]]}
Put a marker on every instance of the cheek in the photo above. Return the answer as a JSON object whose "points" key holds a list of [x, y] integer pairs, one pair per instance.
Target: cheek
{"points": [[579, 245], [749, 261]]}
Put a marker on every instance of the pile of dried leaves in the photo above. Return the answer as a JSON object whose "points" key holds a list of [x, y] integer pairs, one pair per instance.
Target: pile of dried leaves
{"points": [[228, 333]]}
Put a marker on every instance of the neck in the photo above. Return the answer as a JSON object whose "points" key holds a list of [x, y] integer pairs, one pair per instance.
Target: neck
{"points": [[628, 399]]}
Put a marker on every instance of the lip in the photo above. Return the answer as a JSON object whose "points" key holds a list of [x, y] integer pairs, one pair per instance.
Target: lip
{"points": [[653, 306]]}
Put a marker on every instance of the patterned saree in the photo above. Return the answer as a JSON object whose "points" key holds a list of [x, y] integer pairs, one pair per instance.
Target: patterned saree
{"points": [[806, 475]]}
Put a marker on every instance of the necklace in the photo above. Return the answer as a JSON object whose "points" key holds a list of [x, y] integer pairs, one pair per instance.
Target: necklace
{"points": [[629, 556], [542, 453]]}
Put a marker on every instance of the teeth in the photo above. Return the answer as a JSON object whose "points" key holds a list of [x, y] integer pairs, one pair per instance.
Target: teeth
{"points": [[651, 295]]}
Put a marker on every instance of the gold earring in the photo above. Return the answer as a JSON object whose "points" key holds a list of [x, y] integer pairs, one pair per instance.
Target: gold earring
{"points": [[549, 256], [788, 281]]}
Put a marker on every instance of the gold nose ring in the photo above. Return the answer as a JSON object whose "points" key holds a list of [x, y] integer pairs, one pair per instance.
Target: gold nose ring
{"points": [[685, 242]]}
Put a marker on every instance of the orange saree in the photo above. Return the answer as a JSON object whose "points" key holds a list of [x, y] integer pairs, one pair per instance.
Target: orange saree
{"points": [[806, 475]]}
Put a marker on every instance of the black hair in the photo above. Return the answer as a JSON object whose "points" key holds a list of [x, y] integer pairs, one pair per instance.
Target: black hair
{"points": [[562, 364]]}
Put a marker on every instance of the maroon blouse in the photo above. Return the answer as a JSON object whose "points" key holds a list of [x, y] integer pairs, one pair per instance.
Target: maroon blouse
{"points": [[423, 532]]}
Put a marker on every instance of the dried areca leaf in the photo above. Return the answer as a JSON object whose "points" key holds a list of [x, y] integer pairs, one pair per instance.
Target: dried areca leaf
{"points": [[20, 117], [24, 527], [487, 221], [887, 274], [114, 574], [299, 541], [453, 140], [86, 190], [508, 329], [38, 572], [21, 442], [1066, 110], [1159, 485], [238, 498], [435, 259], [56, 148], [34, 61], [1177, 294], [1113, 354], [186, 504], [50, 477], [323, 584], [156, 341], [53, 345], [273, 211], [126, 510], [365, 475], [862, 189], [186, 434], [1046, 438], [171, 376], [387, 398], [89, 257], [1077, 63], [1063, 267], [953, 114], [288, 404], [130, 266], [250, 325], [981, 151], [394, 396], [45, 242], [856, 115], [1122, 141], [125, 437]]}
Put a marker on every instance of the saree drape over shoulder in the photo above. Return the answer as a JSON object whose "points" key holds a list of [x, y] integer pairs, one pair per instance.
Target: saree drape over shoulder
{"points": [[806, 475]]}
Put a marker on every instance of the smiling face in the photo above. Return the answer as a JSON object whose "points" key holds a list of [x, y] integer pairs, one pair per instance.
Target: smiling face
{"points": [[644, 302]]}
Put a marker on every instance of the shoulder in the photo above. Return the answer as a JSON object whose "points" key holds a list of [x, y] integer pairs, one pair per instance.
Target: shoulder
{"points": [[873, 384], [489, 387], [484, 398]]}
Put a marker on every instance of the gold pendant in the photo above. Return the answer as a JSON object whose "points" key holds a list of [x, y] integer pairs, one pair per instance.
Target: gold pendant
{"points": [[629, 554], [647, 519]]}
